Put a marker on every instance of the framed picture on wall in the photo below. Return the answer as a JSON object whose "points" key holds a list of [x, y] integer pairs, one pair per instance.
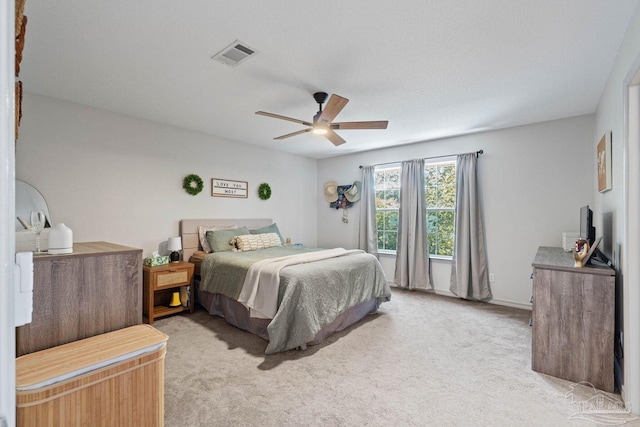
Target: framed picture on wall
{"points": [[603, 155], [228, 188]]}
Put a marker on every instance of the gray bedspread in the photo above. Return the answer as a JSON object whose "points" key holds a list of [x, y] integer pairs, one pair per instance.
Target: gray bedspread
{"points": [[310, 296]]}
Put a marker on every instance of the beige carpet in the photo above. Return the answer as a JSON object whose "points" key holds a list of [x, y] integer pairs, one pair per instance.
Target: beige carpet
{"points": [[422, 360]]}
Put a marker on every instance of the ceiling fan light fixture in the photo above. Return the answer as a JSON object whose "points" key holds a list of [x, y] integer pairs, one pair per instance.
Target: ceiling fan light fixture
{"points": [[319, 130]]}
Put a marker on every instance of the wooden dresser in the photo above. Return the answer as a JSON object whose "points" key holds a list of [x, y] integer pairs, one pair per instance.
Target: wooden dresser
{"points": [[95, 289], [573, 319]]}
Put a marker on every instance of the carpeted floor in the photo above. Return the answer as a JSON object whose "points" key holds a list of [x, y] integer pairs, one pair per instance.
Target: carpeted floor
{"points": [[421, 360]]}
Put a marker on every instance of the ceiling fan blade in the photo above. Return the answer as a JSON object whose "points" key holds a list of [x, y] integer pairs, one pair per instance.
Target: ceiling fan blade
{"points": [[334, 106], [277, 116], [334, 138], [300, 132], [381, 124]]}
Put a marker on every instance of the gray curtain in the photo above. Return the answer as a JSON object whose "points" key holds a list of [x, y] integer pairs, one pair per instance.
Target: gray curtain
{"points": [[469, 277], [412, 254], [368, 229]]}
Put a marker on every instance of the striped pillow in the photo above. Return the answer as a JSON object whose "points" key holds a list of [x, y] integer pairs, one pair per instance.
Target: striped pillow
{"points": [[251, 242]]}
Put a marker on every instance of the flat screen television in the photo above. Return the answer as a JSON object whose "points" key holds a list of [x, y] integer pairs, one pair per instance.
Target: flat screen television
{"points": [[587, 230]]}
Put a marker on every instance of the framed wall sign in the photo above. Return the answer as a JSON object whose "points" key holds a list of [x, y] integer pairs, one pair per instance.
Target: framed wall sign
{"points": [[603, 155], [228, 188]]}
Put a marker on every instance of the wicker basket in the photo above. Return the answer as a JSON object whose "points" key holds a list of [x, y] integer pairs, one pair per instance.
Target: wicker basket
{"points": [[113, 379]]}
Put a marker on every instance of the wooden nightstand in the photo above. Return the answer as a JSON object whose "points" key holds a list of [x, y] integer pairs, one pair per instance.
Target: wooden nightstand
{"points": [[160, 282]]}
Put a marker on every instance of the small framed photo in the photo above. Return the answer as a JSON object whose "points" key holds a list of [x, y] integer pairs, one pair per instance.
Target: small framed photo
{"points": [[603, 155]]}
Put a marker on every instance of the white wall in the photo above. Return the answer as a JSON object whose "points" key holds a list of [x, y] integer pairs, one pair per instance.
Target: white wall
{"points": [[115, 178], [610, 118], [534, 180], [611, 214], [119, 179]]}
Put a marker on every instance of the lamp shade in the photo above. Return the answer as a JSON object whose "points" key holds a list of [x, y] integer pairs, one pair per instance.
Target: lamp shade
{"points": [[175, 244]]}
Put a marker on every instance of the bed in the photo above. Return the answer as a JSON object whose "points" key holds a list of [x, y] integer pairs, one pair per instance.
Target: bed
{"points": [[313, 292]]}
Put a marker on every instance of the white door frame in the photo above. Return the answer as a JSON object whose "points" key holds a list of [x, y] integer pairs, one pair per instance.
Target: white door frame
{"points": [[7, 213], [631, 241]]}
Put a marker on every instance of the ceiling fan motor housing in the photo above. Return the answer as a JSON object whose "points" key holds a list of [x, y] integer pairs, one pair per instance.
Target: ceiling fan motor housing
{"points": [[320, 98]]}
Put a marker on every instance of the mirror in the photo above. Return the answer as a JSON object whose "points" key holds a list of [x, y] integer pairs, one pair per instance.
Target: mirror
{"points": [[28, 199]]}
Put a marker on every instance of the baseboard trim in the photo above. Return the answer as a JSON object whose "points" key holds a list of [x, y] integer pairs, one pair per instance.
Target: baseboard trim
{"points": [[513, 304], [495, 301], [445, 293], [505, 303]]}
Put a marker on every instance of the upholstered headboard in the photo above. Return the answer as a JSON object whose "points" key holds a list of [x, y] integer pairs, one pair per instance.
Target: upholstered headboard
{"points": [[189, 230]]}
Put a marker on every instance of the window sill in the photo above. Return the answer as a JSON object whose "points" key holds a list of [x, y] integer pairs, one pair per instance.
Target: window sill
{"points": [[436, 257], [385, 252], [441, 257]]}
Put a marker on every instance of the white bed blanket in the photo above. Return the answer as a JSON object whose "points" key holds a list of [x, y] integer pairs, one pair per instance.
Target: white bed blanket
{"points": [[260, 288]]}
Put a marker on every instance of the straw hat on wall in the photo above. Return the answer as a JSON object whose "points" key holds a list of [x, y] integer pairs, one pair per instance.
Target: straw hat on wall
{"points": [[353, 194], [331, 191]]}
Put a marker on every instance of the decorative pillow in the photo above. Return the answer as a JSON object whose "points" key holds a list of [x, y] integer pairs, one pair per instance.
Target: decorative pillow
{"points": [[251, 242], [219, 240], [273, 228], [202, 234]]}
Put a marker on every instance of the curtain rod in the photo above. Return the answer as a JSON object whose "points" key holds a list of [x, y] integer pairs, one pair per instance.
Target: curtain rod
{"points": [[477, 153]]}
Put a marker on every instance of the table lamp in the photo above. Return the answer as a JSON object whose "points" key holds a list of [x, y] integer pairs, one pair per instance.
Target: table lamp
{"points": [[174, 245]]}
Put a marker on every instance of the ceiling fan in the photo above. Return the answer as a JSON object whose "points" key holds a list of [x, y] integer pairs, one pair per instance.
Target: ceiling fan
{"points": [[323, 120]]}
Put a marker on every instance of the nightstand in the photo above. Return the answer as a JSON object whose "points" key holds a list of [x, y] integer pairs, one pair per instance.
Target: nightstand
{"points": [[159, 283]]}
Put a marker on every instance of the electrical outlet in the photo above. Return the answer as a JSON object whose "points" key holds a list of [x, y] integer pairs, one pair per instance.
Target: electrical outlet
{"points": [[492, 278]]}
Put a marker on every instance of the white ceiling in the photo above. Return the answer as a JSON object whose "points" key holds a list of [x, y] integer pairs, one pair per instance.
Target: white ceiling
{"points": [[433, 68]]}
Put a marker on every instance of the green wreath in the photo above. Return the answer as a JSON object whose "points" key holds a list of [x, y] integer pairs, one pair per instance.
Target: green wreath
{"points": [[192, 184], [264, 191]]}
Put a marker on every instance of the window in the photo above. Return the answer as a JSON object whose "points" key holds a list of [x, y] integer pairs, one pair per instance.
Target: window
{"points": [[440, 193], [387, 205]]}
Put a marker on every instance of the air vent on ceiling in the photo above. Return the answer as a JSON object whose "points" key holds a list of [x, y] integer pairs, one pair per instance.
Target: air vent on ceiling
{"points": [[234, 54]]}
